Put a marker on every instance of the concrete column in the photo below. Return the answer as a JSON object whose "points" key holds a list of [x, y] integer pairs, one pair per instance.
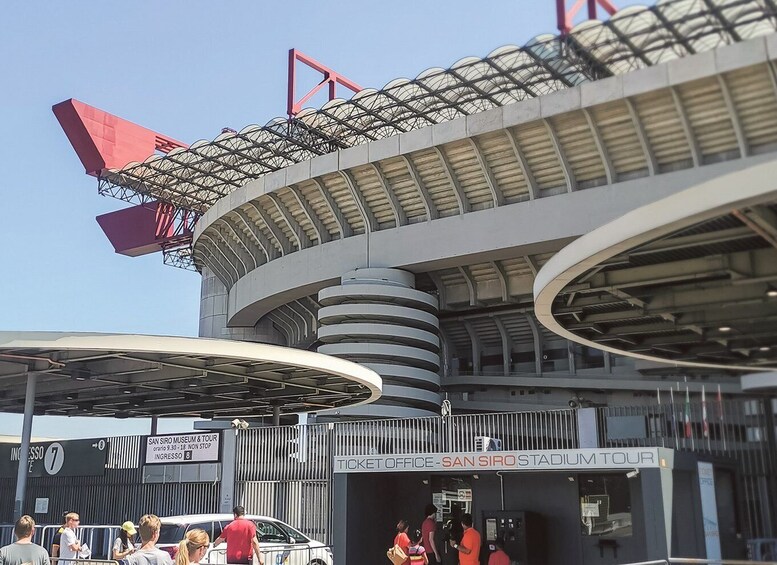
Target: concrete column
{"points": [[378, 318], [340, 508], [538, 347], [476, 349], [214, 301], [507, 346], [21, 475], [228, 468], [657, 487], [587, 428]]}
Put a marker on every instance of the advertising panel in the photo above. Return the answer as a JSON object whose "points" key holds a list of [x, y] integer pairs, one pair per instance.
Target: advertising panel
{"points": [[709, 510]]}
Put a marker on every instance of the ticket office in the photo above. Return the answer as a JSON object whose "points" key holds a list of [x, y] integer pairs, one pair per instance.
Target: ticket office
{"points": [[591, 517]]}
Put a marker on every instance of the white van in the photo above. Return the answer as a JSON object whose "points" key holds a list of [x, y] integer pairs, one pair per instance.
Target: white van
{"points": [[280, 543]]}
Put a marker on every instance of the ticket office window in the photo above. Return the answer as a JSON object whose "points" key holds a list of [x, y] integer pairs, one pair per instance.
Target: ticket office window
{"points": [[605, 505]]}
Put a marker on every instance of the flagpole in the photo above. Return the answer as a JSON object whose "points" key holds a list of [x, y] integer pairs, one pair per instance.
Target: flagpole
{"points": [[705, 425], [688, 424], [720, 417], [661, 416], [674, 417]]}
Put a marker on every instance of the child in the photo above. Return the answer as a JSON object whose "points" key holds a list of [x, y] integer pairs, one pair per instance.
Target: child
{"points": [[416, 552]]}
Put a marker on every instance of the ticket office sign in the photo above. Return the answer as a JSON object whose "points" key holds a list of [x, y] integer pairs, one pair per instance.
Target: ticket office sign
{"points": [[182, 448], [545, 460]]}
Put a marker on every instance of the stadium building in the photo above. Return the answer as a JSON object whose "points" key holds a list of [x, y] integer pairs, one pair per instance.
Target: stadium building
{"points": [[403, 228], [585, 221]]}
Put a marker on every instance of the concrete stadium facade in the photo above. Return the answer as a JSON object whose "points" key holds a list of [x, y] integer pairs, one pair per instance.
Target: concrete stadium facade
{"points": [[373, 251]]}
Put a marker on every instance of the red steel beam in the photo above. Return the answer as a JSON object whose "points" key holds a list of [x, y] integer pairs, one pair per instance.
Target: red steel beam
{"points": [[104, 141], [565, 17], [147, 228], [330, 78]]}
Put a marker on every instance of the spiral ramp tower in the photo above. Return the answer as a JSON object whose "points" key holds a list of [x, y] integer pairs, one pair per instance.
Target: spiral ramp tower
{"points": [[377, 318]]}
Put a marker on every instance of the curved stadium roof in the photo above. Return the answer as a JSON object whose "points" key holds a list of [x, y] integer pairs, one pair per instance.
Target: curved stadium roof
{"points": [[120, 375], [687, 280], [634, 38]]}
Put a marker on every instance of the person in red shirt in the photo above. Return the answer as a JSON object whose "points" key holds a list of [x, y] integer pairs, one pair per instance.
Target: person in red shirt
{"points": [[402, 539], [499, 557], [428, 530], [469, 546], [240, 535]]}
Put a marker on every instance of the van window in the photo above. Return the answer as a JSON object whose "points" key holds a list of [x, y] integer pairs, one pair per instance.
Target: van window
{"points": [[207, 526], [269, 533], [170, 533], [293, 534]]}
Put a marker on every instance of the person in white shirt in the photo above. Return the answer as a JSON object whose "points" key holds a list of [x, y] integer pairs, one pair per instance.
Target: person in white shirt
{"points": [[69, 545]]}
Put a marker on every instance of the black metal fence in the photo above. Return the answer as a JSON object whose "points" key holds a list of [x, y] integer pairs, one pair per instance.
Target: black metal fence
{"points": [[287, 471]]}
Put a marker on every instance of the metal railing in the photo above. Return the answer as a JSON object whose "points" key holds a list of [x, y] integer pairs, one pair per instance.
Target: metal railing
{"points": [[98, 537], [287, 553], [304, 452], [742, 430], [6, 534], [694, 561], [287, 471], [762, 548], [90, 561], [122, 485]]}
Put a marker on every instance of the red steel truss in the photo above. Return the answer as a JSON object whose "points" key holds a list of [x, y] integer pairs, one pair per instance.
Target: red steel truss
{"points": [[103, 141], [565, 17], [194, 179], [331, 78]]}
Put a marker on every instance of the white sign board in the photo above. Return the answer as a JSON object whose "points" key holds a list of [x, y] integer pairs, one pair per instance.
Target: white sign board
{"points": [[182, 448], [439, 501], [589, 509], [709, 510], [465, 494], [545, 460], [41, 506]]}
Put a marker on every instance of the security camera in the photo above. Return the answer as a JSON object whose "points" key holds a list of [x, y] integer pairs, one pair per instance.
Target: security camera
{"points": [[632, 474], [239, 424], [573, 402]]}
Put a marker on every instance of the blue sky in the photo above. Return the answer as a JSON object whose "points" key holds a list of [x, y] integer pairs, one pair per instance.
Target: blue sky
{"points": [[185, 69]]}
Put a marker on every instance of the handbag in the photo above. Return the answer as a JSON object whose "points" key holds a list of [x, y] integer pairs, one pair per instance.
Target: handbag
{"points": [[396, 555]]}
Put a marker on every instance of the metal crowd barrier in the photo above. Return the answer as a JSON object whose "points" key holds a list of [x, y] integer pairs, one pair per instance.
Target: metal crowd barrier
{"points": [[693, 561], [99, 538], [763, 549], [280, 553], [90, 561], [6, 534]]}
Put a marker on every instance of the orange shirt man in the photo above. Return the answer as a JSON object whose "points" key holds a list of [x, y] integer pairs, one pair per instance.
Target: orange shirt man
{"points": [[469, 547]]}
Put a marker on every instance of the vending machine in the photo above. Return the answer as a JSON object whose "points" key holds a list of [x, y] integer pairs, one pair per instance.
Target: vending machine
{"points": [[523, 534]]}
